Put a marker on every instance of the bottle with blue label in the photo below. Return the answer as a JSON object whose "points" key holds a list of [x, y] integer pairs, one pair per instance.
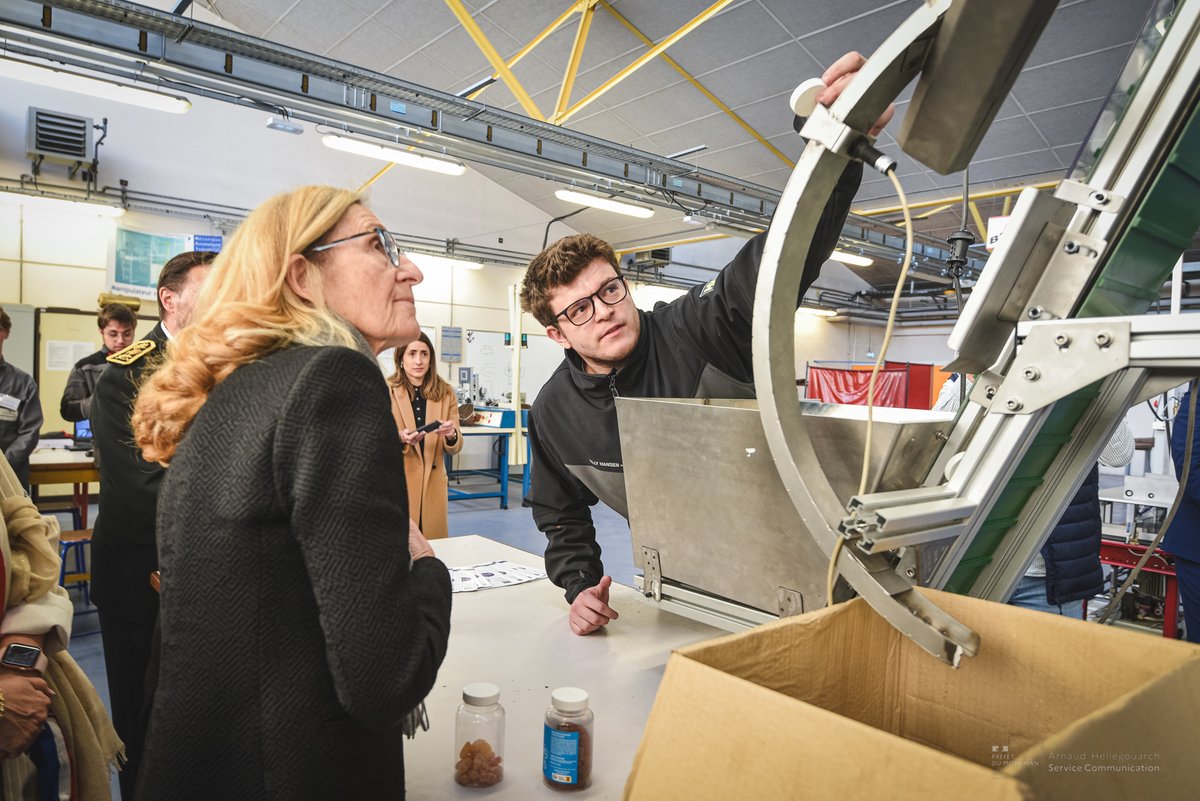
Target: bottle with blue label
{"points": [[567, 743]]}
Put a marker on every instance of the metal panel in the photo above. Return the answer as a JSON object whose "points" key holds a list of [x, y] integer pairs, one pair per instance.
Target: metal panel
{"points": [[706, 498]]}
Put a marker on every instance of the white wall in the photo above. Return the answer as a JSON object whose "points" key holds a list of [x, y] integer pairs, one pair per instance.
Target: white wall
{"points": [[924, 344]]}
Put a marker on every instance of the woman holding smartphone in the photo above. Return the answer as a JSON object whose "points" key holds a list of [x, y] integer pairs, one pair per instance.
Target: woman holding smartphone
{"points": [[421, 398]]}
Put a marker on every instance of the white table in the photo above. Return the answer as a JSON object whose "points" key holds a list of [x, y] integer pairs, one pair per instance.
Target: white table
{"points": [[517, 638]]}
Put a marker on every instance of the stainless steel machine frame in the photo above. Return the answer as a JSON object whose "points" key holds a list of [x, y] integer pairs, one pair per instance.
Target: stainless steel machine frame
{"points": [[1016, 332]]}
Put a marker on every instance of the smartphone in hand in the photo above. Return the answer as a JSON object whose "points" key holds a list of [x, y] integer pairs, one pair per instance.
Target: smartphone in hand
{"points": [[432, 425]]}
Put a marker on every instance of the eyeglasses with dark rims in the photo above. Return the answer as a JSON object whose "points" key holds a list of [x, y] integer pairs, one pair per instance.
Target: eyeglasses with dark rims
{"points": [[581, 311]]}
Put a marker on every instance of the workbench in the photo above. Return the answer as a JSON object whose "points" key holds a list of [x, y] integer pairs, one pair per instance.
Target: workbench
{"points": [[517, 638]]}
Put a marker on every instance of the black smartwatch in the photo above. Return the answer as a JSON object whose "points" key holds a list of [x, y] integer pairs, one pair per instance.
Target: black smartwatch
{"points": [[27, 658]]}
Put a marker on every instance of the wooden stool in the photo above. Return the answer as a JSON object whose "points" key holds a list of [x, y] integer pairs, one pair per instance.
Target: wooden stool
{"points": [[71, 544]]}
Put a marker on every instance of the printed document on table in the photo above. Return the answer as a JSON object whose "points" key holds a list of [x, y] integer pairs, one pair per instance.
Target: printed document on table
{"points": [[490, 575]]}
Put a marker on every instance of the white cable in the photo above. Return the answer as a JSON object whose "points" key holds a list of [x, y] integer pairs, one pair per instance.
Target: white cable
{"points": [[883, 348]]}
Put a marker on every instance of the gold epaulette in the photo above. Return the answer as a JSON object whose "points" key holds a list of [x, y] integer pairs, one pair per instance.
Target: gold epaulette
{"points": [[131, 354]]}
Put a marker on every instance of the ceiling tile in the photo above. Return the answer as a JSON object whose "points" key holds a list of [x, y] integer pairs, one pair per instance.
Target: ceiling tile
{"points": [[419, 68], [877, 191], [1069, 124], [804, 17], [770, 116], [863, 35], [1075, 79], [1067, 155], [1087, 26], [247, 19], [270, 10], [750, 158], [767, 74], [420, 23], [661, 19], [610, 45], [608, 126], [1014, 135], [666, 109], [1019, 168], [368, 7], [728, 37], [373, 47], [717, 131], [653, 77], [525, 19], [283, 33], [325, 22]]}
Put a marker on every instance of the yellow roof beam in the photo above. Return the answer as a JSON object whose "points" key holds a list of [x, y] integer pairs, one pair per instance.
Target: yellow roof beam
{"points": [[923, 204], [568, 81], [687, 76], [498, 64], [641, 61], [670, 243], [382, 171], [978, 218], [535, 41]]}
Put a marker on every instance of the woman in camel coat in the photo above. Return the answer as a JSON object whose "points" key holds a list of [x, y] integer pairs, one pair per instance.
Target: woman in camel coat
{"points": [[420, 396]]}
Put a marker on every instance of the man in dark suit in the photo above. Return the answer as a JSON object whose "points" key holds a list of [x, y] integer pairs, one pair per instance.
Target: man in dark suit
{"points": [[123, 544]]}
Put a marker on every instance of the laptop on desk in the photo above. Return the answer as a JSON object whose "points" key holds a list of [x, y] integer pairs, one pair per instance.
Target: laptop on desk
{"points": [[82, 439]]}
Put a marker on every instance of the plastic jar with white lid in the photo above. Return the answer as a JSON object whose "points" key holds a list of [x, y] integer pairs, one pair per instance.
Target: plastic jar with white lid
{"points": [[479, 730]]}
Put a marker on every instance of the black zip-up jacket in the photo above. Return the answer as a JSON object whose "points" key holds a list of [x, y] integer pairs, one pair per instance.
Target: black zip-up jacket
{"points": [[696, 346]]}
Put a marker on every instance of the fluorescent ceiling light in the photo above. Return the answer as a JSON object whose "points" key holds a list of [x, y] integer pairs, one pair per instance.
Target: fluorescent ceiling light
{"points": [[58, 204], [817, 312], [851, 258], [605, 203], [94, 87], [687, 152], [427, 261], [404, 158]]}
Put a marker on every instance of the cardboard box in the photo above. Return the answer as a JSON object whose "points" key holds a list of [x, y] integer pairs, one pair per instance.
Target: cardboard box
{"points": [[838, 705]]}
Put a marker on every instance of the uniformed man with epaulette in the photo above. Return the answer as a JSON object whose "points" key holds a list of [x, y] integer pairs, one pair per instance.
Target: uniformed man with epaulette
{"points": [[124, 553]]}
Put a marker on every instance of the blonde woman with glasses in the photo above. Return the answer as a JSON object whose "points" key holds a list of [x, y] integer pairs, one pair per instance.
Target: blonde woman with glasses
{"points": [[303, 617]]}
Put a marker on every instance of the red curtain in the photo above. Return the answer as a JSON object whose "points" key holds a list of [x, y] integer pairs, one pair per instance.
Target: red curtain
{"points": [[833, 385]]}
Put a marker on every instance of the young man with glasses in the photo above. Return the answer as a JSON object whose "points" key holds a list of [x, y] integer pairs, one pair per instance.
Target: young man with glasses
{"points": [[116, 323], [695, 346]]}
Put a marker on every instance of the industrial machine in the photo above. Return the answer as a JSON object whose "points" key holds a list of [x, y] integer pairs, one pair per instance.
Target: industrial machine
{"points": [[738, 507]]}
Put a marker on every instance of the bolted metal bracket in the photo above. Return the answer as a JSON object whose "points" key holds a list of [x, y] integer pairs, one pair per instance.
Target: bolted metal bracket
{"points": [[1083, 195], [1071, 266], [983, 391], [652, 570], [1059, 357], [791, 602]]}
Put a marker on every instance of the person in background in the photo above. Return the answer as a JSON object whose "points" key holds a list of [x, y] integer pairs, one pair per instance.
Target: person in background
{"points": [[299, 633], [116, 323], [123, 541], [1066, 572], [54, 732], [20, 409], [1182, 539], [420, 396], [699, 345]]}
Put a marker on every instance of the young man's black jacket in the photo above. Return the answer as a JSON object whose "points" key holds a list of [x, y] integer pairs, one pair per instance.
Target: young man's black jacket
{"points": [[695, 346]]}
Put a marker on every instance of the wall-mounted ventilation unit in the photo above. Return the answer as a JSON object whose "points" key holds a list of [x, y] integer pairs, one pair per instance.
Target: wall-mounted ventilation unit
{"points": [[58, 137]]}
